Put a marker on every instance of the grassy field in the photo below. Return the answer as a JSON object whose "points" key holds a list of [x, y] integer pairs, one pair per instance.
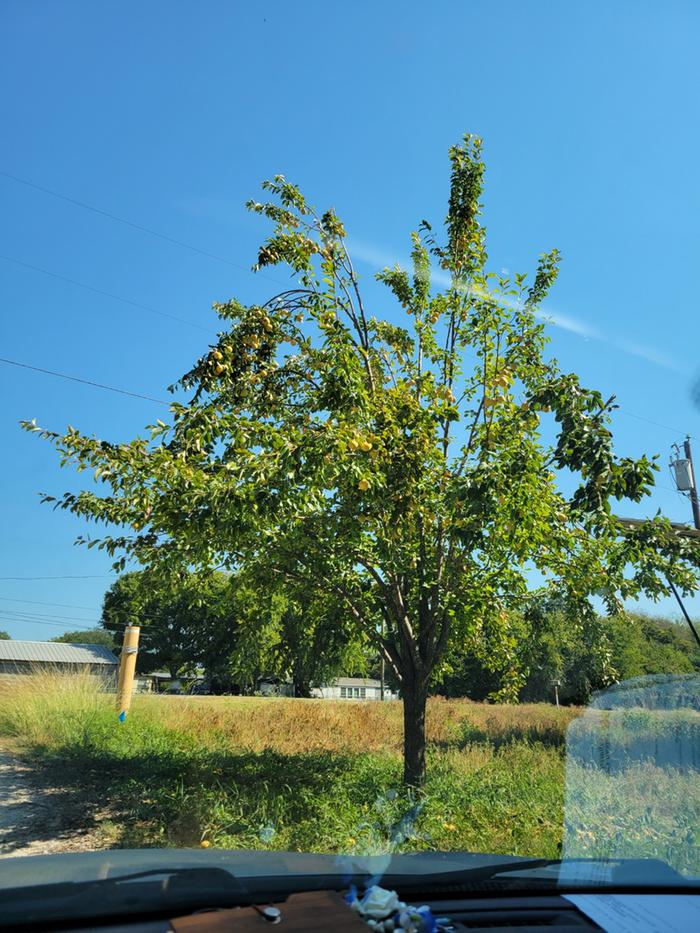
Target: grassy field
{"points": [[296, 774]]}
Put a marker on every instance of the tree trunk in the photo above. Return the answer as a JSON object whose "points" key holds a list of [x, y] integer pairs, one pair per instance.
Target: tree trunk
{"points": [[414, 700], [302, 688]]}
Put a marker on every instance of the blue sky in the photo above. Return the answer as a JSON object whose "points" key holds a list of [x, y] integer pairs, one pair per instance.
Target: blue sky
{"points": [[170, 113]]}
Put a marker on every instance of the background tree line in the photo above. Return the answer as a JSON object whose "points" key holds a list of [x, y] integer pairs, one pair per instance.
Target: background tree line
{"points": [[233, 629], [235, 634], [551, 646]]}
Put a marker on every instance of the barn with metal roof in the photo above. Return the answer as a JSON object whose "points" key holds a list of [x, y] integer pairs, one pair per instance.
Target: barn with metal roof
{"points": [[26, 657]]}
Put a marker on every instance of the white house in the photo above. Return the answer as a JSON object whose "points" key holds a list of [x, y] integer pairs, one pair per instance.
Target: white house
{"points": [[344, 688], [353, 688]]}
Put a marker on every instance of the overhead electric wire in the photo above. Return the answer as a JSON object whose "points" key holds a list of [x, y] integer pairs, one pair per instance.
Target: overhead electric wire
{"points": [[657, 424], [117, 630], [65, 576], [37, 616], [99, 291], [38, 602], [66, 628], [47, 615], [184, 245], [82, 628], [26, 614], [150, 398], [98, 385], [67, 625], [130, 223]]}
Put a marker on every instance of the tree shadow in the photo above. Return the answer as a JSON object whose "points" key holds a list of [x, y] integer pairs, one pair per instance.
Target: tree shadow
{"points": [[470, 734], [41, 814], [167, 798]]}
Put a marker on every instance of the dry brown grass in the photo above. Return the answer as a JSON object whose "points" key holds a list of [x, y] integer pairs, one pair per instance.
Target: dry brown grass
{"points": [[29, 703], [311, 775], [297, 726]]}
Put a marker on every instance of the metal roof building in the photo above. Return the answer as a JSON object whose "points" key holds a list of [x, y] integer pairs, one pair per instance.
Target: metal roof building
{"points": [[18, 656]]}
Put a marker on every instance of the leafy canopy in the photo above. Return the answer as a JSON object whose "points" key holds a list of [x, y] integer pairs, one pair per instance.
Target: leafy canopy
{"points": [[185, 619], [408, 465], [93, 636], [310, 644]]}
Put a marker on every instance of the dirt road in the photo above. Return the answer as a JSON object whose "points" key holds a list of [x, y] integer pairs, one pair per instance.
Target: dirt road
{"points": [[40, 820]]}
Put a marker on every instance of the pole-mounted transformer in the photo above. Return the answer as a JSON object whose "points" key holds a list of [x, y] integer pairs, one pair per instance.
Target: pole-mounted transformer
{"points": [[682, 466]]}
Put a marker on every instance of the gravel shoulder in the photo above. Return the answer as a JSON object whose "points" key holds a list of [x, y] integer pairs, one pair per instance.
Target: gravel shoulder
{"points": [[41, 819]]}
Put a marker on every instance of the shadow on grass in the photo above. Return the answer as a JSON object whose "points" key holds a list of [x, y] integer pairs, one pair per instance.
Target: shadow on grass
{"points": [[531, 734], [175, 796], [43, 814]]}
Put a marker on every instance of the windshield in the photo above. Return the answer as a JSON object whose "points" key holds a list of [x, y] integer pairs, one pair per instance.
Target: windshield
{"points": [[350, 402]]}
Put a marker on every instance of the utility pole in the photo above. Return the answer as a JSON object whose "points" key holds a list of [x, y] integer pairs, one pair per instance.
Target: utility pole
{"points": [[127, 667], [685, 477], [693, 488]]}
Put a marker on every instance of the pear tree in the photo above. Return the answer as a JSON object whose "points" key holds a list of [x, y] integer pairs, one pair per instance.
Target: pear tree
{"points": [[426, 463]]}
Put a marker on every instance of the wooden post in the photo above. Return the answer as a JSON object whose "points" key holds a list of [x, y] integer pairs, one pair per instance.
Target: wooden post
{"points": [[556, 684], [382, 670], [127, 667]]}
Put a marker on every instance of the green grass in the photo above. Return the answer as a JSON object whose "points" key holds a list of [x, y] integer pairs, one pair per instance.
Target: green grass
{"points": [[641, 811], [298, 775]]}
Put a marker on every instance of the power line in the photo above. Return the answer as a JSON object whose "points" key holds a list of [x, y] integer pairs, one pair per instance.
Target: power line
{"points": [[657, 424], [66, 625], [130, 223], [47, 615], [122, 220], [143, 640], [89, 382], [99, 291], [150, 398], [661, 486], [115, 627], [38, 602], [84, 576], [81, 628], [181, 243]]}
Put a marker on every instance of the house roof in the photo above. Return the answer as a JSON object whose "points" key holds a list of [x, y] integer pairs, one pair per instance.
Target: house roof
{"points": [[55, 652], [356, 682]]}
